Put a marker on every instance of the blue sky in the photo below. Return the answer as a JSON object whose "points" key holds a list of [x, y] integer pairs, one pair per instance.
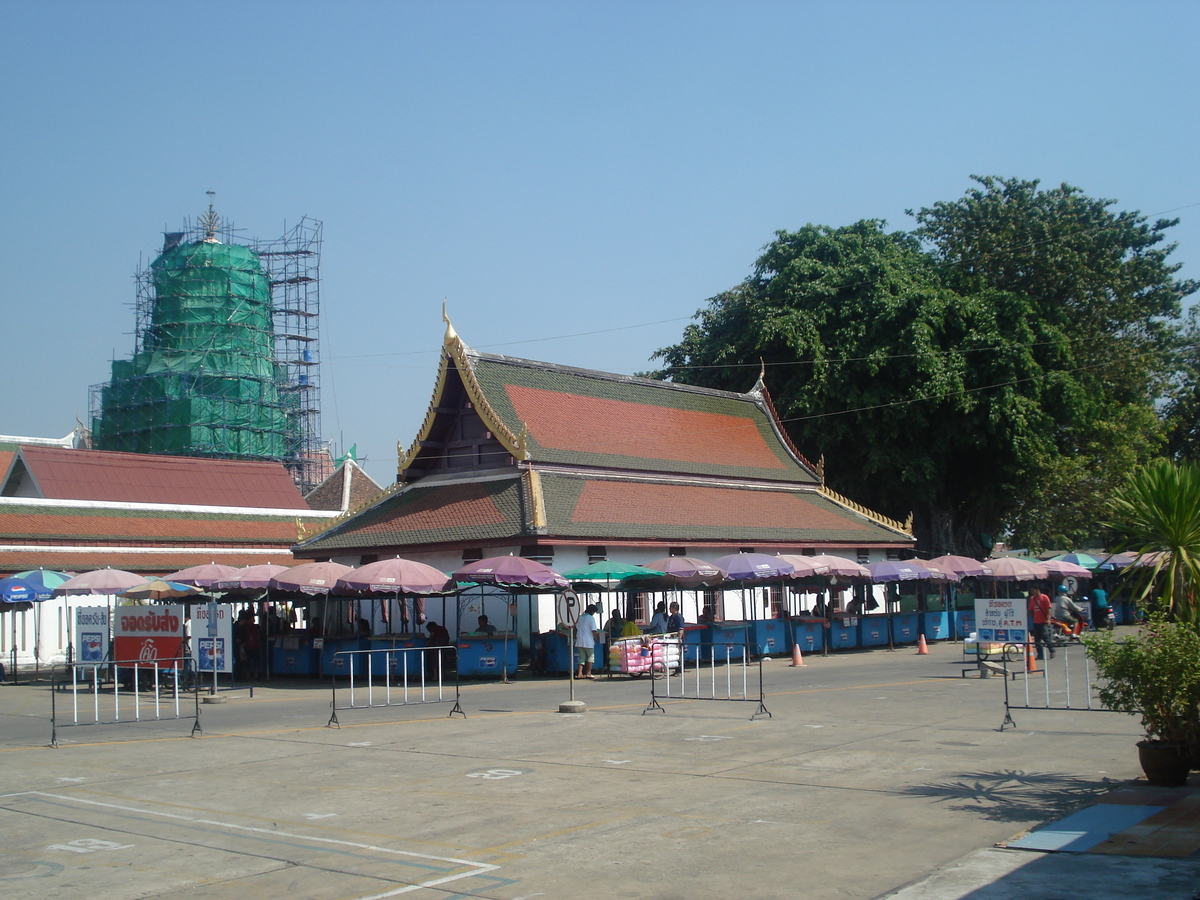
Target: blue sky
{"points": [[574, 179]]}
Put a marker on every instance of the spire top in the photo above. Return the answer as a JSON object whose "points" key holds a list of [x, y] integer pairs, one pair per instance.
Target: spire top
{"points": [[210, 221]]}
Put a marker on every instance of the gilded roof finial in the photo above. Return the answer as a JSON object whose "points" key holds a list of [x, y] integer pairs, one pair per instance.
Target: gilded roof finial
{"points": [[210, 221], [451, 334]]}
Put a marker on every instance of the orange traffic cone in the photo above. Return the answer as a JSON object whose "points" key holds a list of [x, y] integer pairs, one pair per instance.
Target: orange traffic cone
{"points": [[797, 659], [922, 647], [1030, 659]]}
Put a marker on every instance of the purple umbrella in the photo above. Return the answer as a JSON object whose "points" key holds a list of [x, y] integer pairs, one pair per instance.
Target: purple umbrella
{"points": [[398, 576], [202, 576], [310, 578], [687, 572], [753, 566], [899, 570], [1064, 569], [251, 578], [512, 572], [963, 566], [100, 581]]}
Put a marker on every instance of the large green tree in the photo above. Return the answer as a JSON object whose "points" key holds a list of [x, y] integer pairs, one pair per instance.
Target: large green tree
{"points": [[994, 372]]}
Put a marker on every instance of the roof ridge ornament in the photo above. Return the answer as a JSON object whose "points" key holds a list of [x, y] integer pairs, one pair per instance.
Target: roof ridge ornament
{"points": [[760, 386], [451, 334]]}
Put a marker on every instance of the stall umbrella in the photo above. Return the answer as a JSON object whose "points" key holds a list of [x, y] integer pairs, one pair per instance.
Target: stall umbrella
{"points": [[608, 575], [317, 578], [802, 567], [516, 574], [841, 571], [890, 571], [17, 595], [106, 582], [401, 578]]}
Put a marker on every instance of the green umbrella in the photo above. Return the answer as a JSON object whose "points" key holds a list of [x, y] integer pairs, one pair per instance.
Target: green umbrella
{"points": [[605, 575]]}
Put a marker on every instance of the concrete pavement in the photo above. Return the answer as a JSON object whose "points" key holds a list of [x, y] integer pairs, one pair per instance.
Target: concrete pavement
{"points": [[877, 772]]}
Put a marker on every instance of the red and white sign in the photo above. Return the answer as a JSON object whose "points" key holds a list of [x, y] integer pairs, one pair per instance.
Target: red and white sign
{"points": [[152, 635]]}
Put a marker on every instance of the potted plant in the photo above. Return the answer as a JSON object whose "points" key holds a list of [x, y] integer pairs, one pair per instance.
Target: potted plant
{"points": [[1156, 674]]}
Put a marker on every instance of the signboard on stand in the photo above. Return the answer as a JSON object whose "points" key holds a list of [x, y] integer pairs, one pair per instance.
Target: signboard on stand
{"points": [[152, 635], [93, 631], [1001, 621], [212, 637]]}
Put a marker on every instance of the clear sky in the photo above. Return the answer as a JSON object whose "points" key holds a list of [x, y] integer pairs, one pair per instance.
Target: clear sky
{"points": [[574, 179]]}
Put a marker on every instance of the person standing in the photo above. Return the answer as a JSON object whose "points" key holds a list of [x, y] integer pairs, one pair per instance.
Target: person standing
{"points": [[1038, 605], [585, 642], [658, 623], [675, 621]]}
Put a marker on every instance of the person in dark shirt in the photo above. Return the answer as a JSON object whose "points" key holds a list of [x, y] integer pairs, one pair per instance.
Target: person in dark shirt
{"points": [[438, 637]]}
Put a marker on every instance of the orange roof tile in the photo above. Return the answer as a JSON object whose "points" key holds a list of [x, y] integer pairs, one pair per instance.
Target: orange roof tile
{"points": [[63, 474], [564, 421]]}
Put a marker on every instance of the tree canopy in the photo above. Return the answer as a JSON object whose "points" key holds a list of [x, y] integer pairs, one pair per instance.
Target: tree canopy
{"points": [[993, 372]]}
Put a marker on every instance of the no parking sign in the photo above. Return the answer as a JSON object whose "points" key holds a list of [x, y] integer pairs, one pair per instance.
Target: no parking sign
{"points": [[567, 608]]}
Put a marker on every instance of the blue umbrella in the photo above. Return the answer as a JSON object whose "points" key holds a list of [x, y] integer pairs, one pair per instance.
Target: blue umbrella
{"points": [[18, 590], [45, 580]]}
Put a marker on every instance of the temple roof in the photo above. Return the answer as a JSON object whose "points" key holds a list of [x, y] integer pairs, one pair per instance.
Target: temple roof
{"points": [[547, 413]]}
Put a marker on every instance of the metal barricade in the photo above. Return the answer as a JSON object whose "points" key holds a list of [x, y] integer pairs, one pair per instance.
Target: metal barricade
{"points": [[719, 671], [1066, 683], [366, 690], [117, 690]]}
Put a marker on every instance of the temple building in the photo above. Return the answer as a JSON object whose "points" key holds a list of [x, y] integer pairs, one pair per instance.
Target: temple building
{"points": [[568, 466]]}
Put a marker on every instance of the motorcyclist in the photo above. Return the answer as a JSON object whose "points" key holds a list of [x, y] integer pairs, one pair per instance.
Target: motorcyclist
{"points": [[1066, 610]]}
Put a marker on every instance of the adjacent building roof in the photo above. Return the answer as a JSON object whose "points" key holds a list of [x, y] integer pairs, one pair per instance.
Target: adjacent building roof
{"points": [[348, 487], [53, 473]]}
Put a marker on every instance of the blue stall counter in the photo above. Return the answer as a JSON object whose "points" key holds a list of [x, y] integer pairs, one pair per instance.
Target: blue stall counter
{"points": [[332, 664], [935, 625], [487, 654], [872, 631], [772, 636], [904, 628], [293, 655], [809, 634], [396, 663], [843, 632]]}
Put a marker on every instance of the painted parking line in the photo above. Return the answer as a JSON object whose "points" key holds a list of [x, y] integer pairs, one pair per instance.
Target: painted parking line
{"points": [[447, 868]]}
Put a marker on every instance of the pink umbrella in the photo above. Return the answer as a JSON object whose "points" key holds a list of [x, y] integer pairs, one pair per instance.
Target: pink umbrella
{"points": [[251, 578], [1064, 569], [840, 566], [310, 578], [512, 572], [687, 572], [803, 566], [1013, 568], [398, 576], [963, 566], [100, 581], [202, 576], [899, 570]]}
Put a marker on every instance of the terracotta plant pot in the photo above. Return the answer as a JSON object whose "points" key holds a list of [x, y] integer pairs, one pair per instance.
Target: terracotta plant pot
{"points": [[1165, 764]]}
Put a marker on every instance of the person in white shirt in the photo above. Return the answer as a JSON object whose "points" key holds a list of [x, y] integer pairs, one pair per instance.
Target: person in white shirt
{"points": [[585, 642]]}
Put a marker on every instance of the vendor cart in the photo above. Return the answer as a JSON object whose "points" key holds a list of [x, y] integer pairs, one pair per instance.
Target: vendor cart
{"points": [[654, 653]]}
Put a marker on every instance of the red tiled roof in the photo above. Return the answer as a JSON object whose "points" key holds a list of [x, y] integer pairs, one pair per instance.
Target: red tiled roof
{"points": [[472, 503], [564, 421], [115, 525], [675, 505], [144, 478]]}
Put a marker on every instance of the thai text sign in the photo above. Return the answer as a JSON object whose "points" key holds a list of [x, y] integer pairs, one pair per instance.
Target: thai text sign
{"points": [[148, 634], [1001, 620], [212, 637], [92, 634]]}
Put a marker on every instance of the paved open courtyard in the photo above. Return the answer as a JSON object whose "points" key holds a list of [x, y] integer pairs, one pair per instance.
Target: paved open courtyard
{"points": [[873, 770]]}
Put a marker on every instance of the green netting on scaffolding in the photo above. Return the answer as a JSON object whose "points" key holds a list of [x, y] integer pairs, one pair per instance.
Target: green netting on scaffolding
{"points": [[205, 382]]}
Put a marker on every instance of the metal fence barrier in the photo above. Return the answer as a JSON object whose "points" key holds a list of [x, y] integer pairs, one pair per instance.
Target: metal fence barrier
{"points": [[1064, 687], [124, 691], [719, 671], [395, 677]]}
